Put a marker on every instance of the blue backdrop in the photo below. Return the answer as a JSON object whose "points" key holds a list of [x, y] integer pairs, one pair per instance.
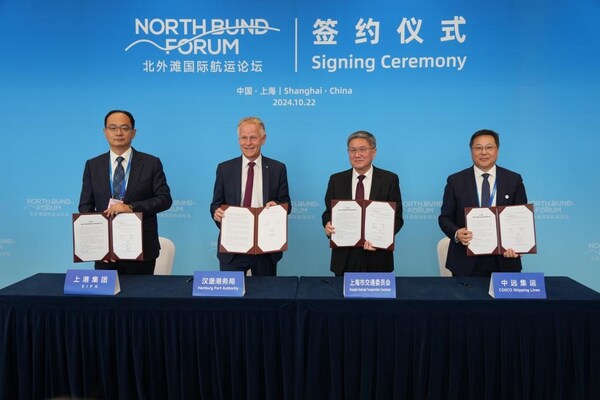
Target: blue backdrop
{"points": [[421, 75]]}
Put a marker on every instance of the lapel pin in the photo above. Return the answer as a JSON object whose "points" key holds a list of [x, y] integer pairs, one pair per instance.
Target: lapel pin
{"points": [[506, 196]]}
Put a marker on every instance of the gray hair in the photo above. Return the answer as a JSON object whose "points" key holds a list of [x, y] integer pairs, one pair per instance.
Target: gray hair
{"points": [[362, 135]]}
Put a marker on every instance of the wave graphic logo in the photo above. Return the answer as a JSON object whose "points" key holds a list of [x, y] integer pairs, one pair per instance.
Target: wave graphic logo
{"points": [[205, 39], [594, 251]]}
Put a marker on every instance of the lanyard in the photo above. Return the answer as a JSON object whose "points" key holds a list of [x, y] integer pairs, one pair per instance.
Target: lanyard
{"points": [[110, 173]]}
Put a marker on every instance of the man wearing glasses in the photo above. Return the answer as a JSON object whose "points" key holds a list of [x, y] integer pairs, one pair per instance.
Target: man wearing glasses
{"points": [[483, 185], [362, 181], [125, 180]]}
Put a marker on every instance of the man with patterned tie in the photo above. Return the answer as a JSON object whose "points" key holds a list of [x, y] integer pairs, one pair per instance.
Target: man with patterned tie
{"points": [[362, 181], [251, 180], [125, 180], [484, 184]]}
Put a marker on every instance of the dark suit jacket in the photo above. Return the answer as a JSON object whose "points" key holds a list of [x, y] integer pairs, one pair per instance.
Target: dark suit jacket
{"points": [[147, 191], [385, 187], [228, 185], [461, 192]]}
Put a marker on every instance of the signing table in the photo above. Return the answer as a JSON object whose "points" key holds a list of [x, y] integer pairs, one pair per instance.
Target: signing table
{"points": [[151, 341], [291, 338], [446, 338]]}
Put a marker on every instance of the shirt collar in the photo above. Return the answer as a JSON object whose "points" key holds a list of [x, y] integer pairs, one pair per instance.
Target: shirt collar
{"points": [[126, 156], [258, 161], [368, 174], [479, 172]]}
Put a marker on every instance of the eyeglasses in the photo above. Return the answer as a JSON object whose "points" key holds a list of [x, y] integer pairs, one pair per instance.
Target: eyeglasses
{"points": [[479, 149], [361, 151], [122, 128]]}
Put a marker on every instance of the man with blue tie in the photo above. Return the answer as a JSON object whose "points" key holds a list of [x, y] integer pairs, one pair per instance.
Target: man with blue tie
{"points": [[251, 180], [485, 184], [125, 180]]}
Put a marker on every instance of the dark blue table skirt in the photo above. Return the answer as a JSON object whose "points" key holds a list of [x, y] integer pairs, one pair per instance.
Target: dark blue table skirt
{"points": [[151, 341], [441, 338], [445, 338]]}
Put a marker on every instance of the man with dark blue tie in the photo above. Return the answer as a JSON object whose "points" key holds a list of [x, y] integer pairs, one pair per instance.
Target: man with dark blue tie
{"points": [[125, 180], [484, 184], [251, 180]]}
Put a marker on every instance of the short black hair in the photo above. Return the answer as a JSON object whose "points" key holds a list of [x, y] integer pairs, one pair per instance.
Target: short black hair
{"points": [[122, 112], [484, 132]]}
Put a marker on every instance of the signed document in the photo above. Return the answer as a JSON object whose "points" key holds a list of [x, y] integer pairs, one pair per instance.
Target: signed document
{"points": [[237, 230], [358, 220], [272, 228], [483, 223], [127, 236], [496, 229], [517, 228], [254, 230], [346, 217], [97, 237]]}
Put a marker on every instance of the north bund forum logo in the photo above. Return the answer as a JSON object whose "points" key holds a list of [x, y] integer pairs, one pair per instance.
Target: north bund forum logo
{"points": [[190, 36]]}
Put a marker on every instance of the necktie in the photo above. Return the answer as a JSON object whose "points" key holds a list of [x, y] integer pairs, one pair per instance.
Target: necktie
{"points": [[485, 191], [360, 188], [249, 185], [118, 179]]}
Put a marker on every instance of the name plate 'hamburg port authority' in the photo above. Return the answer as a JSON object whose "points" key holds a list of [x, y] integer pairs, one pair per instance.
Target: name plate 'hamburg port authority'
{"points": [[219, 283]]}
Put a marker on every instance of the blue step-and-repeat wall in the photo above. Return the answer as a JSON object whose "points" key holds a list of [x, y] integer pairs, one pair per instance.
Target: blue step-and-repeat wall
{"points": [[420, 75]]}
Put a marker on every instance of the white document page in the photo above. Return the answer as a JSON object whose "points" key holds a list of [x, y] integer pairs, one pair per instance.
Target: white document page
{"points": [[379, 224], [517, 228], [90, 237], [237, 230], [272, 228], [346, 218], [127, 236], [482, 222]]}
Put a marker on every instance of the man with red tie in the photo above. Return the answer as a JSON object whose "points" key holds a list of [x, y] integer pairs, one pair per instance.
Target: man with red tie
{"points": [[251, 180], [362, 181]]}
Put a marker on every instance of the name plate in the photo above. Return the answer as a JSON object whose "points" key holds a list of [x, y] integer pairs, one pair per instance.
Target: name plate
{"points": [[514, 285], [370, 284], [219, 284], [92, 282]]}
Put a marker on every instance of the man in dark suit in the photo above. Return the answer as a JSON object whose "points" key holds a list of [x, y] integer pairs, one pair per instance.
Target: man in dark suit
{"points": [[125, 180], [269, 187], [464, 189], [376, 184]]}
